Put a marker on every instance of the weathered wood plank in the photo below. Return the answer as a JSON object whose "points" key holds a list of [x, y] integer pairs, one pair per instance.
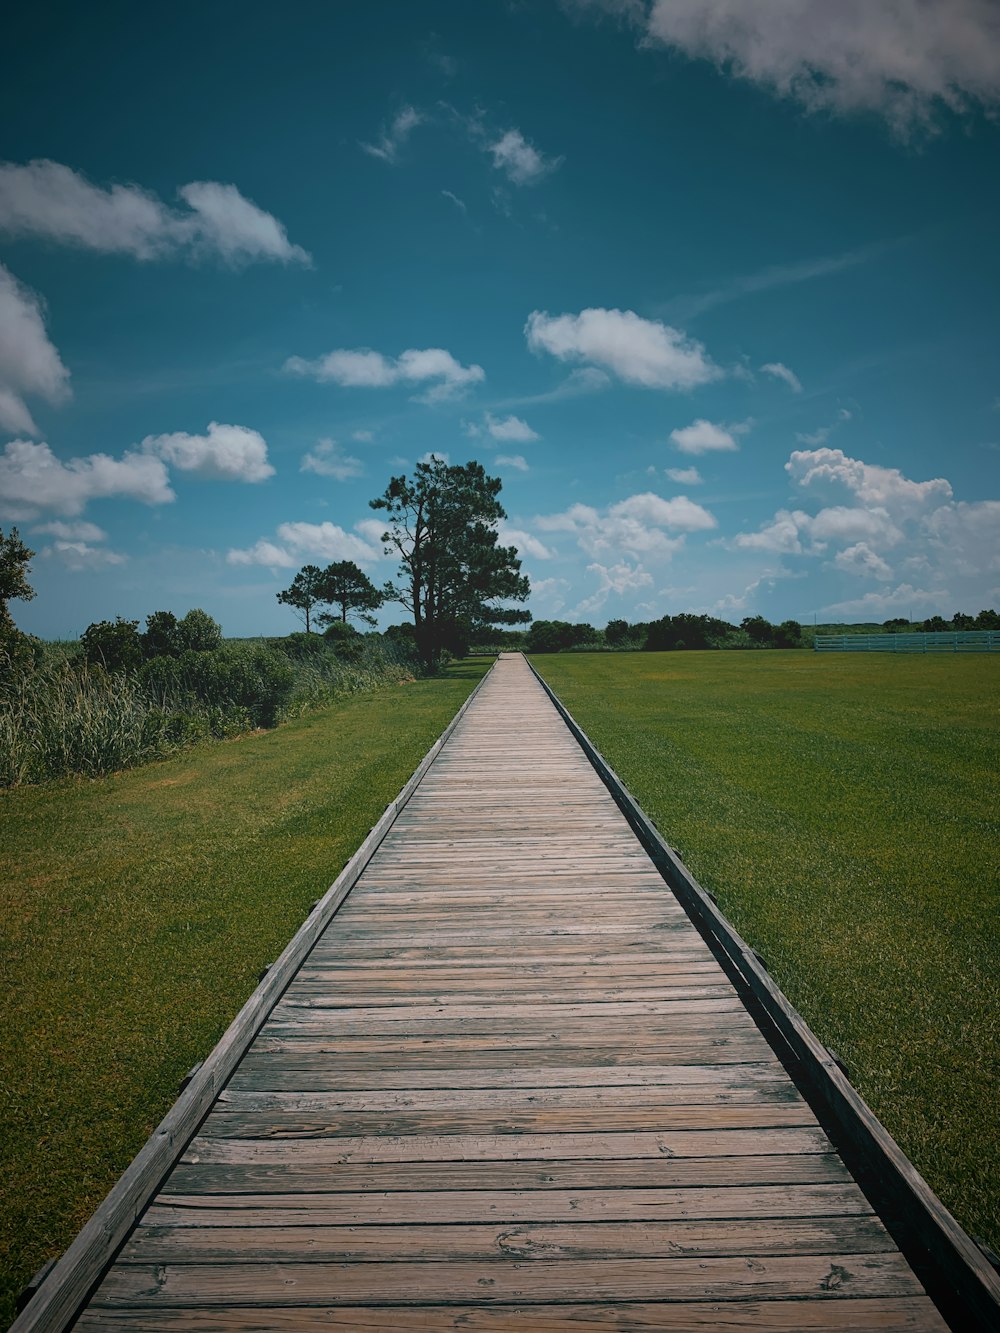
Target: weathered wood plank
{"points": [[545, 1241], [453, 1206], [490, 1283], [878, 1315]]}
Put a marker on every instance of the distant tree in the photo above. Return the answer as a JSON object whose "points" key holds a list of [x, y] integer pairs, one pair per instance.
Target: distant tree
{"points": [[115, 645], [349, 589], [454, 576], [14, 571], [616, 632], [896, 624], [934, 625], [345, 640], [988, 620], [760, 631], [199, 632], [552, 636], [788, 635], [305, 592], [162, 635]]}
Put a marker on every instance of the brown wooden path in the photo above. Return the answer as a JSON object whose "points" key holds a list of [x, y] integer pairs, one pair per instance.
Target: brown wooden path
{"points": [[510, 1088]]}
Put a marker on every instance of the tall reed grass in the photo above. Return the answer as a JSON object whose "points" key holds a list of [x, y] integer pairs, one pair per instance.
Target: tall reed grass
{"points": [[60, 717]]}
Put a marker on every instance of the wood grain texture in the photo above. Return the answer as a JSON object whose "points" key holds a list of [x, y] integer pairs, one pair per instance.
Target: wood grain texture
{"points": [[510, 1086]]}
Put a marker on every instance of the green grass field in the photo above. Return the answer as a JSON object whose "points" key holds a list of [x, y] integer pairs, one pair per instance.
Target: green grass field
{"points": [[137, 912], [844, 811]]}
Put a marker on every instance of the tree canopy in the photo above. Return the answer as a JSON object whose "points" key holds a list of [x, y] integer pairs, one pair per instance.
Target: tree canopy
{"points": [[14, 585], [305, 592], [454, 577], [351, 591]]}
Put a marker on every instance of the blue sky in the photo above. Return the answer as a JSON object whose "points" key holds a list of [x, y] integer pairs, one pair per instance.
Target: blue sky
{"points": [[712, 286]]}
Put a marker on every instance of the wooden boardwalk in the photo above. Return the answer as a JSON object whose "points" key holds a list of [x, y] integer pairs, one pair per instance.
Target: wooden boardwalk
{"points": [[510, 1088]]}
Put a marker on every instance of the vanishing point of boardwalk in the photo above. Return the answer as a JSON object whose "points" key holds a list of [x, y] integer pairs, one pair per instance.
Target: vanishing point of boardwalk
{"points": [[510, 1088]]}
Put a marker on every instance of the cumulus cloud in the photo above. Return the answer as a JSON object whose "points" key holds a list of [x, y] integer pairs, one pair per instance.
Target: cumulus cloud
{"points": [[329, 460], [861, 560], [72, 532], [904, 599], [902, 60], [887, 527], [704, 437], [395, 135], [298, 543], [521, 163], [33, 479], [639, 351], [229, 453], [527, 545], [684, 476], [29, 364], [781, 372], [50, 200], [510, 429], [362, 368], [517, 461], [641, 525], [77, 556], [832, 472], [781, 534]]}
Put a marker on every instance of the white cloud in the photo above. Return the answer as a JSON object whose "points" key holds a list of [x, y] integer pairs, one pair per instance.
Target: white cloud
{"points": [[619, 579], [831, 471], [844, 523], [460, 204], [901, 600], [229, 453], [394, 137], [517, 461], [29, 364], [519, 161], [641, 525], [329, 460], [780, 372], [903, 59], [510, 429], [526, 544], [363, 436], [49, 200], [306, 543], [77, 556], [861, 560], [684, 476], [781, 534], [72, 532], [639, 351], [362, 368], [32, 480], [703, 437]]}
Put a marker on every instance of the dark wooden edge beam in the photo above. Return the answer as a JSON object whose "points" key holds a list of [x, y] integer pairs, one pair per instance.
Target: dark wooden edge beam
{"points": [[61, 1294], [954, 1271]]}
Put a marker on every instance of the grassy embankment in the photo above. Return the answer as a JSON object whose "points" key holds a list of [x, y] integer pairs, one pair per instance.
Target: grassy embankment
{"points": [[138, 910], [844, 811]]}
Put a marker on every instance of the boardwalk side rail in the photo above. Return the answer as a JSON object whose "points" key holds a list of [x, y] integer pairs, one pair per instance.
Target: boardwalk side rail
{"points": [[68, 1283], [954, 1271]]}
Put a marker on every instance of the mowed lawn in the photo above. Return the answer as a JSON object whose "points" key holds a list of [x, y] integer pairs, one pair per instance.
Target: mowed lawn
{"points": [[137, 911], [844, 810]]}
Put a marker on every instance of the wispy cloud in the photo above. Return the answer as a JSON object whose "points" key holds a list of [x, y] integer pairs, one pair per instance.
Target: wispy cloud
{"points": [[395, 135], [778, 371], [767, 279], [520, 161], [328, 459]]}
